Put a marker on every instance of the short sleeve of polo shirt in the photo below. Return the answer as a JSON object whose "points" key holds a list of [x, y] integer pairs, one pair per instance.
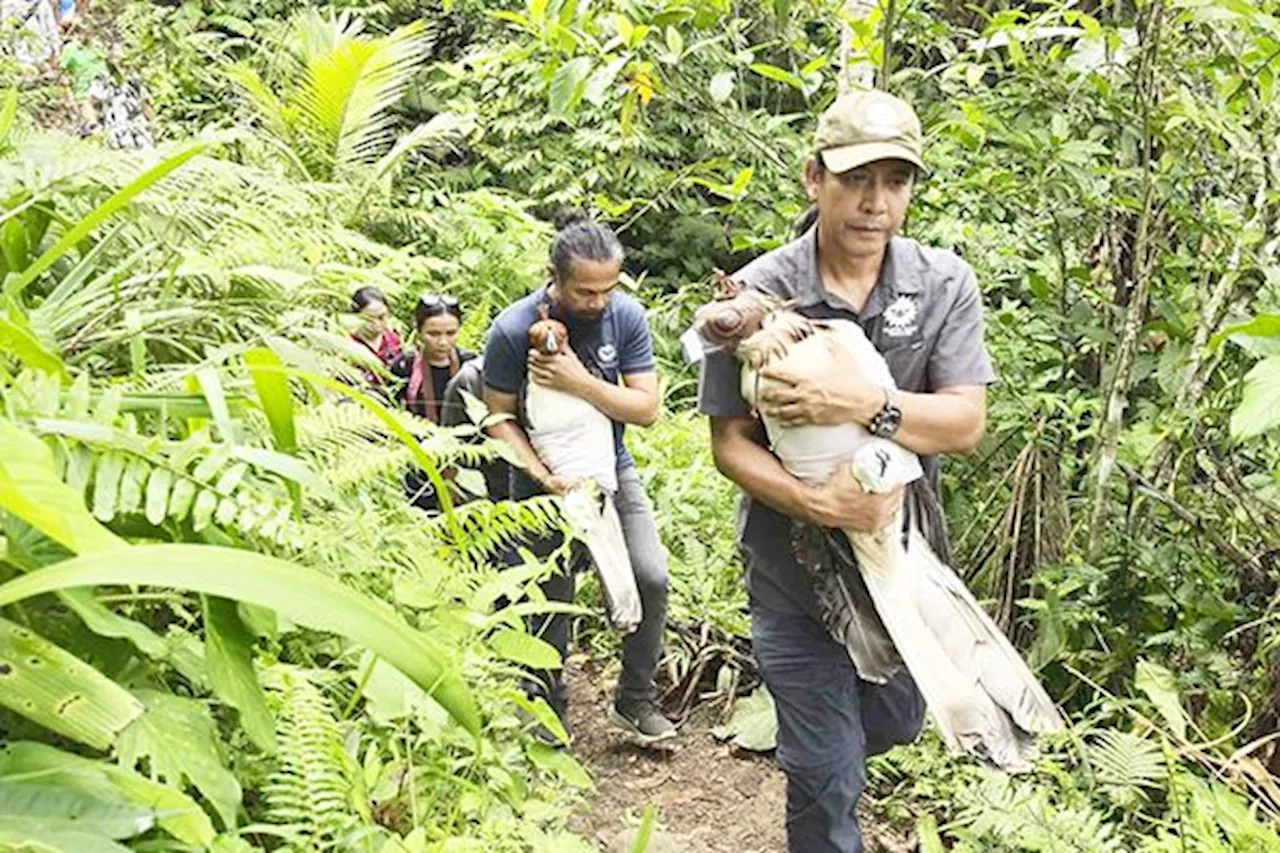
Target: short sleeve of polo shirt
{"points": [[719, 391], [505, 363], [635, 343], [720, 374], [960, 355]]}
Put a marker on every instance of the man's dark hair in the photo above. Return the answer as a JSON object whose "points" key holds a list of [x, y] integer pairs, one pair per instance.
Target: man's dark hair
{"points": [[582, 238], [364, 297]]}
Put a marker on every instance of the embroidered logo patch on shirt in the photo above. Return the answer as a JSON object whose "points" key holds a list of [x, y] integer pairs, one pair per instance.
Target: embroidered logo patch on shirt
{"points": [[607, 354], [900, 317]]}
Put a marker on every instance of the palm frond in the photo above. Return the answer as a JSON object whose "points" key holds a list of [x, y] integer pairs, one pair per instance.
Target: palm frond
{"points": [[349, 85]]}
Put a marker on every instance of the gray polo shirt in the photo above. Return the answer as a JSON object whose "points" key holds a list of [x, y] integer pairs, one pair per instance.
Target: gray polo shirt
{"points": [[924, 316]]}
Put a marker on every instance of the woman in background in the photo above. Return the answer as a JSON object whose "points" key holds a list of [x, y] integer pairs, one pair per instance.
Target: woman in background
{"points": [[437, 319], [374, 331]]}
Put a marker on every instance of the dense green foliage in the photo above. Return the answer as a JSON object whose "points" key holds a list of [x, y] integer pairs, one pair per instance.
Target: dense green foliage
{"points": [[1112, 172]]}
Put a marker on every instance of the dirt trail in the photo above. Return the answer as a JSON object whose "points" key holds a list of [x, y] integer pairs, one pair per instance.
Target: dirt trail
{"points": [[709, 799]]}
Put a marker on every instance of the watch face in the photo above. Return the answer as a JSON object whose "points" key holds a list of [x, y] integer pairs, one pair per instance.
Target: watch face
{"points": [[887, 421]]}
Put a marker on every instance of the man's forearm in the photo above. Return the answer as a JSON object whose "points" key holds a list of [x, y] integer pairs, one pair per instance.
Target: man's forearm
{"points": [[952, 420], [941, 422], [514, 435], [759, 473], [636, 406]]}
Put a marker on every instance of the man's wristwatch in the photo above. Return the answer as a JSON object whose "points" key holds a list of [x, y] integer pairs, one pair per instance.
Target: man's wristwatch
{"points": [[889, 418]]}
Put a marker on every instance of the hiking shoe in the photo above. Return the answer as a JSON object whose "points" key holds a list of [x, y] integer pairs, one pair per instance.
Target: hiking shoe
{"points": [[643, 720]]}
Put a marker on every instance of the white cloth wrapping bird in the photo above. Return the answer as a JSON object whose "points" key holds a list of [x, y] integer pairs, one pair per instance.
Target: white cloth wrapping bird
{"points": [[979, 691], [575, 440]]}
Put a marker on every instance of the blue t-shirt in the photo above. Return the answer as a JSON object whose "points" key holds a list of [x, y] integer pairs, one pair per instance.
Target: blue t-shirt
{"points": [[618, 344]]}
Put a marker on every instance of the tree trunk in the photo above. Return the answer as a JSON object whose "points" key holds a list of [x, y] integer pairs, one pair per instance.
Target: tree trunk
{"points": [[856, 69], [1139, 290]]}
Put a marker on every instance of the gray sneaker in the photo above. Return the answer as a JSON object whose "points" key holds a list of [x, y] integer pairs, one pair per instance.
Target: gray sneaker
{"points": [[643, 720]]}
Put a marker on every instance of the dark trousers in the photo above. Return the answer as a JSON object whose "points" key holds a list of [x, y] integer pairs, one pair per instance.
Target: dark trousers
{"points": [[829, 722], [642, 648]]}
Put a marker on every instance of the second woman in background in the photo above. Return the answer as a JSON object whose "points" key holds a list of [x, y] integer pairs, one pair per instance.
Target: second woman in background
{"points": [[427, 372], [437, 319]]}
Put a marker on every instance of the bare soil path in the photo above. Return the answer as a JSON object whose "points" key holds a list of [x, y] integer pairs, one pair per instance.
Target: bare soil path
{"points": [[711, 798]]}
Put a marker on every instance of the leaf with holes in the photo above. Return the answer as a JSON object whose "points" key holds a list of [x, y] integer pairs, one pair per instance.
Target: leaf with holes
{"points": [[781, 75], [31, 490], [178, 739], [55, 689]]}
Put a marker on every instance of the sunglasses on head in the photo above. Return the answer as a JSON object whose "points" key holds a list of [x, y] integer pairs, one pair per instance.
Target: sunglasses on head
{"points": [[439, 303]]}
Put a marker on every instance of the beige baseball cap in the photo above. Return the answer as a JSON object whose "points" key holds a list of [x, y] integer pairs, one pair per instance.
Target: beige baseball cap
{"points": [[865, 126]]}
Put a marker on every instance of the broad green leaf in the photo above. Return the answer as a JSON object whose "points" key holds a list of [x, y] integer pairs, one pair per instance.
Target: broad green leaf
{"points": [[301, 595], [1263, 326], [624, 27], [228, 655], [392, 696], [560, 763], [211, 388], [645, 833], [15, 285], [16, 835], [541, 712], [27, 762], [29, 549], [722, 86], [754, 724], [57, 690], [597, 89], [1161, 687], [568, 84], [179, 741], [781, 75], [45, 808], [525, 649], [22, 344], [272, 385], [291, 468], [1259, 409], [675, 43], [512, 18]]}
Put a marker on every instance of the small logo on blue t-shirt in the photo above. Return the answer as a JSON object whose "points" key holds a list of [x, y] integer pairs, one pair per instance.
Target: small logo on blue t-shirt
{"points": [[607, 354]]}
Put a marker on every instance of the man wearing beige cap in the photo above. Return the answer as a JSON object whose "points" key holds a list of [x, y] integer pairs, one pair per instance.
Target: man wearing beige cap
{"points": [[922, 309]]}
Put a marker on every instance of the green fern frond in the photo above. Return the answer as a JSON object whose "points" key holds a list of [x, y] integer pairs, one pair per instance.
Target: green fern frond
{"points": [[494, 527], [315, 786], [1023, 818], [1127, 766]]}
